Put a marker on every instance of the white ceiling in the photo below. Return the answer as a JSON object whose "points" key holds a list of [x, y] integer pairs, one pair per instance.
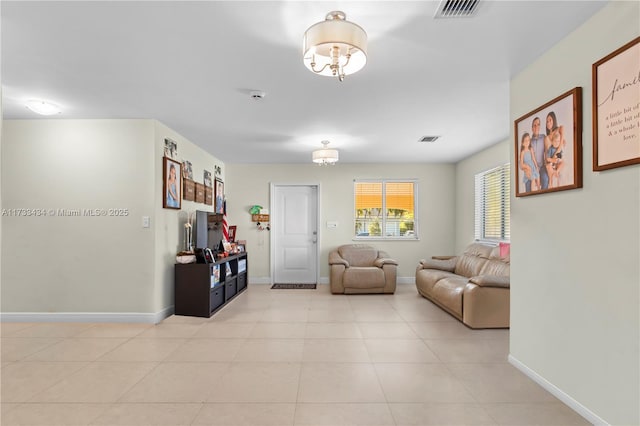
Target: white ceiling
{"points": [[191, 65]]}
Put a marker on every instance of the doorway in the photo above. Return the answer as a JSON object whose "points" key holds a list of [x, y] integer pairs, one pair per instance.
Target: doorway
{"points": [[294, 233]]}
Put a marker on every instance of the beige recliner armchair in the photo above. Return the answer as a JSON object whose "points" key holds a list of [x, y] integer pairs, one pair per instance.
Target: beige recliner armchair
{"points": [[358, 268]]}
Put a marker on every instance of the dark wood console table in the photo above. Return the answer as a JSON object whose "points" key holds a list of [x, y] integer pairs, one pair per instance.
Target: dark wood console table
{"points": [[201, 289]]}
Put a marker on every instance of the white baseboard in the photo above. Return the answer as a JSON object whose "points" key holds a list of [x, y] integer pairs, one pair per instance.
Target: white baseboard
{"points": [[259, 280], [102, 317], [589, 415], [325, 280]]}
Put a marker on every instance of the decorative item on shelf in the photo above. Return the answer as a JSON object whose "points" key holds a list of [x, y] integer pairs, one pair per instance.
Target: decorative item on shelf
{"points": [[188, 232], [242, 246], [232, 233], [185, 257], [325, 156], [227, 247], [208, 196], [335, 47]]}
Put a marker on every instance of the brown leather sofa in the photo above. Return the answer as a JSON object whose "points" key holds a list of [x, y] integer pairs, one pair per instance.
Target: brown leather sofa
{"points": [[473, 287], [359, 268]]}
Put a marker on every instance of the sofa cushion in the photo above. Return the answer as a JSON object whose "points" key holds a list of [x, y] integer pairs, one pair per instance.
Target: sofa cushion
{"points": [[472, 260], [448, 293], [427, 278], [495, 267], [498, 281], [358, 254], [363, 277], [448, 265], [468, 266]]}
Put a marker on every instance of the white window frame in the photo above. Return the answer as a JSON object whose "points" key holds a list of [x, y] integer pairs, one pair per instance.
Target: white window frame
{"points": [[383, 224], [481, 192]]}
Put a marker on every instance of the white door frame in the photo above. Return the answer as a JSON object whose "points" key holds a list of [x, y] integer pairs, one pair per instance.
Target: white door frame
{"points": [[273, 212]]}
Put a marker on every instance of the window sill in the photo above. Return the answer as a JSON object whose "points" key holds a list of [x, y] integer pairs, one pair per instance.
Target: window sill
{"points": [[492, 242], [385, 239]]}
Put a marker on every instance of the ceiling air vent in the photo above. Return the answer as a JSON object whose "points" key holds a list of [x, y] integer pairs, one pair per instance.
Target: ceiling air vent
{"points": [[428, 139], [457, 8]]}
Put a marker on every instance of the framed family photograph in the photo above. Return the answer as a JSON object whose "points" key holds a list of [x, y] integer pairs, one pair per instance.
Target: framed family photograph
{"points": [[548, 146], [616, 108], [171, 184], [219, 207]]}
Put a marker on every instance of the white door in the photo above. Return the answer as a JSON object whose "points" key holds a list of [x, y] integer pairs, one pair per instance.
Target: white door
{"points": [[294, 229]]}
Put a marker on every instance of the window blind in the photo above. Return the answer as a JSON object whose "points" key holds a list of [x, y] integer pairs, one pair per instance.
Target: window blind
{"points": [[492, 204]]}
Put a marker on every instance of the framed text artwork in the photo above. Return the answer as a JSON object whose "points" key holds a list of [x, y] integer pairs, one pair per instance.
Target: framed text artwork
{"points": [[171, 184], [189, 190], [616, 108], [208, 195], [548, 146], [200, 196]]}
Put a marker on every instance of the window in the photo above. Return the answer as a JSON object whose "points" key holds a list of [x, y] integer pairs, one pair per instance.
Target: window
{"points": [[385, 209], [492, 204]]}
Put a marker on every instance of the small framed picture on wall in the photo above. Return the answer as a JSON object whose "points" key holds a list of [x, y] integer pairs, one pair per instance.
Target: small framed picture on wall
{"points": [[219, 196], [172, 184]]}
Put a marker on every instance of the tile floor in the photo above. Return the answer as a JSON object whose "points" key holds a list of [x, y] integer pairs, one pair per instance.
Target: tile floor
{"points": [[273, 357]]}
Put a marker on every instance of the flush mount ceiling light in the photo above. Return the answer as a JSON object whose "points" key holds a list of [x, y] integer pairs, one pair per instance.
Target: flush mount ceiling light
{"points": [[43, 107], [335, 47], [325, 156]]}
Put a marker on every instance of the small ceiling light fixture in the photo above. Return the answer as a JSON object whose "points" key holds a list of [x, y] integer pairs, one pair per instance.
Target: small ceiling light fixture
{"points": [[43, 107], [325, 156], [335, 46]]}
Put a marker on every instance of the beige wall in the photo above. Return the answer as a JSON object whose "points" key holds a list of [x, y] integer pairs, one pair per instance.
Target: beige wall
{"points": [[466, 170], [169, 224], [249, 185], [58, 263], [575, 275], [68, 264]]}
